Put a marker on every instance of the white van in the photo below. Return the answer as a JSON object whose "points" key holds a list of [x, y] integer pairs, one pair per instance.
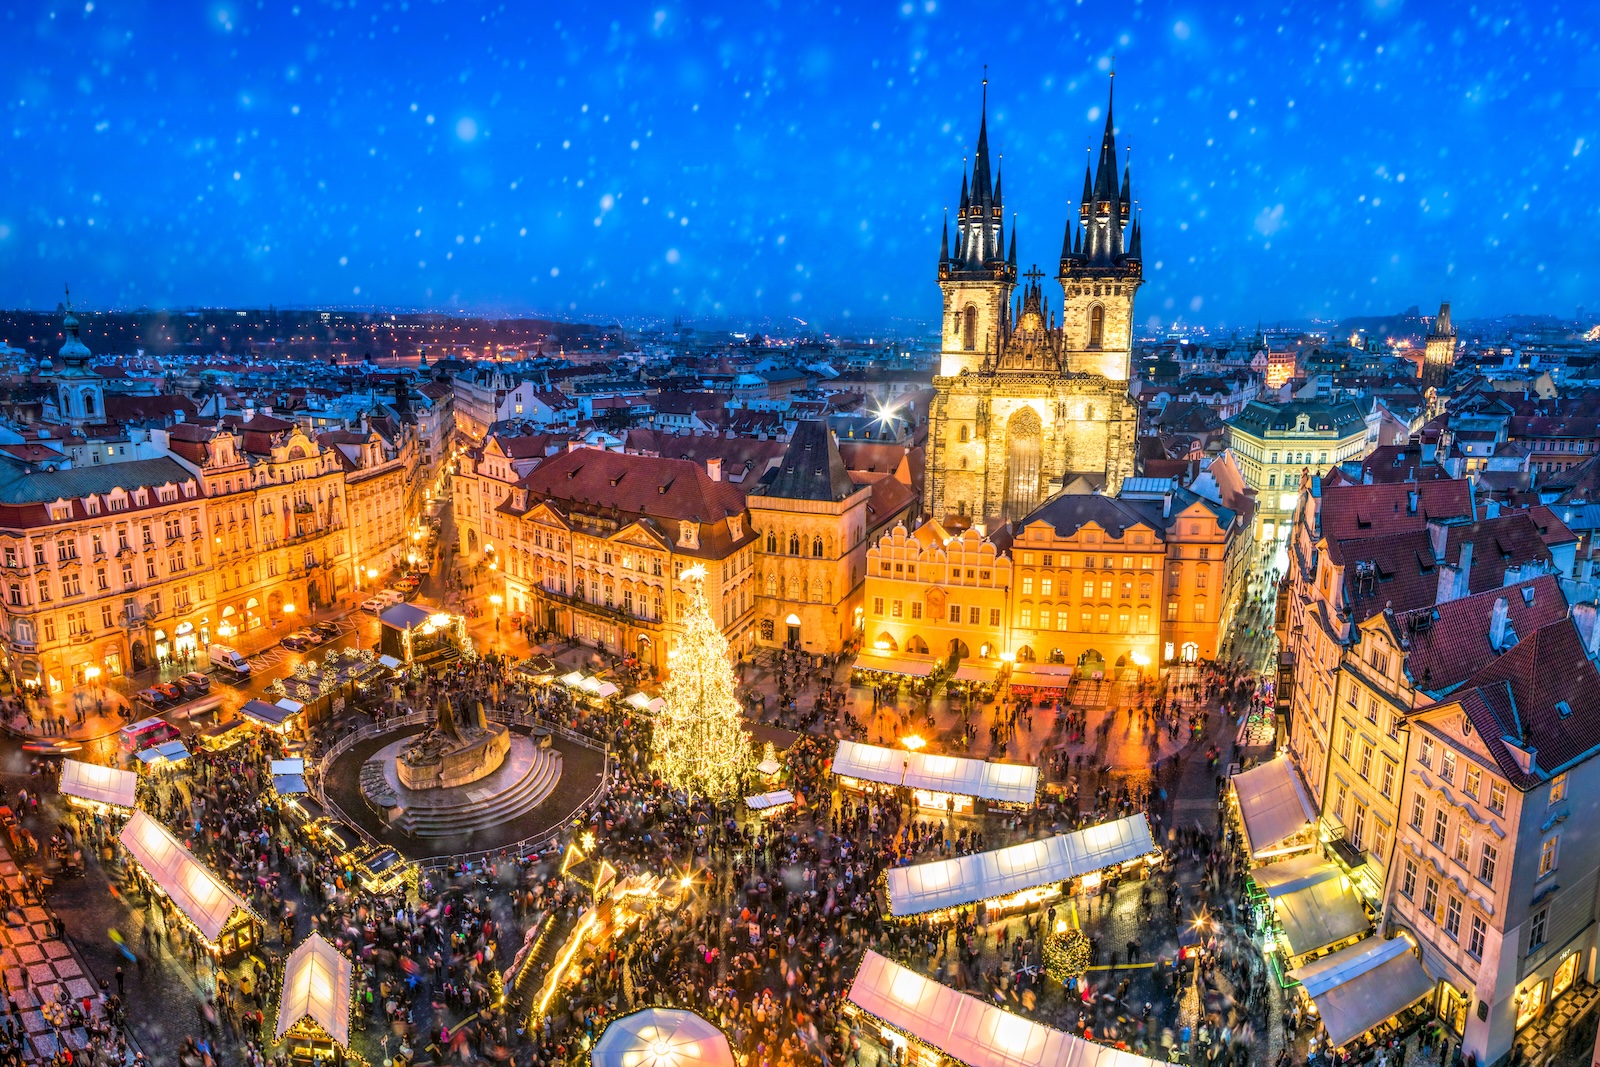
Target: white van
{"points": [[227, 659]]}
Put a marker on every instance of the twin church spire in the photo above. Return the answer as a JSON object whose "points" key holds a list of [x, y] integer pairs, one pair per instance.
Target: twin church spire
{"points": [[980, 245]]}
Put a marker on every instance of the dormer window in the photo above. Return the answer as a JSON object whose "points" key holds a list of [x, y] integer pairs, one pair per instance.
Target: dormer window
{"points": [[689, 534], [735, 527]]}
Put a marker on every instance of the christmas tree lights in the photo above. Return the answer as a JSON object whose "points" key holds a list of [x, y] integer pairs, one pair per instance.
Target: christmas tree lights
{"points": [[700, 742], [1066, 954]]}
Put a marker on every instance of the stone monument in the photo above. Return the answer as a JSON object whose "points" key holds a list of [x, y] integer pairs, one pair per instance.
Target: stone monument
{"points": [[453, 752]]}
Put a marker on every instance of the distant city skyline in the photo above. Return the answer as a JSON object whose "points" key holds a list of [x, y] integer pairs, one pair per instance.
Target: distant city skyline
{"points": [[729, 163]]}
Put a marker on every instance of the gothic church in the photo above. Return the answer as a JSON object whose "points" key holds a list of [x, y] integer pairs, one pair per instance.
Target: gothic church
{"points": [[1027, 405]]}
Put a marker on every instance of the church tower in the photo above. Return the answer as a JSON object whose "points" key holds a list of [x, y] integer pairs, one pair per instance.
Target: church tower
{"points": [[1102, 266], [977, 276], [1439, 356]]}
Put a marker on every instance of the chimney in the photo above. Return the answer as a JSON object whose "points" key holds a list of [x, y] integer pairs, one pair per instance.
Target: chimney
{"points": [[1587, 619], [1166, 506], [1411, 502], [1491, 508], [714, 468], [1497, 624], [1464, 570], [1438, 537]]}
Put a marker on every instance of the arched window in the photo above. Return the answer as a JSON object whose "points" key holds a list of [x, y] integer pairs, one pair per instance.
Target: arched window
{"points": [[969, 328], [1097, 325], [772, 585], [1023, 432], [964, 434], [794, 544], [816, 547], [88, 402], [772, 542]]}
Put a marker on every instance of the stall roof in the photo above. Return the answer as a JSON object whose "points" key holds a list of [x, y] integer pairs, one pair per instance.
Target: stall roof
{"points": [[200, 894], [289, 766], [172, 750], [1320, 915], [316, 985], [293, 707], [388, 661], [343, 833], [1273, 803], [638, 700], [871, 763], [976, 672], [287, 785], [914, 668], [763, 801], [1041, 675], [606, 689], [405, 616], [574, 679], [1293, 874], [969, 1030], [769, 766], [950, 883], [1359, 987], [264, 713], [662, 1037], [105, 785], [1008, 783]]}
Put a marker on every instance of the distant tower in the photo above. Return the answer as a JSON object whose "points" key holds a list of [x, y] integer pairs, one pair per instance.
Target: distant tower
{"points": [[976, 276], [1439, 357], [80, 394], [1102, 267]]}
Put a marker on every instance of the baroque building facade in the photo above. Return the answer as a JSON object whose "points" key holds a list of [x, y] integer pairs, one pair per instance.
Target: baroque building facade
{"points": [[1025, 405]]}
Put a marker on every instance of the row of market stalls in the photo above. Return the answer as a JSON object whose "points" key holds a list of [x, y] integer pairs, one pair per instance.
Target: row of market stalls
{"points": [[969, 676], [1311, 918], [950, 782], [926, 1023], [1019, 876]]}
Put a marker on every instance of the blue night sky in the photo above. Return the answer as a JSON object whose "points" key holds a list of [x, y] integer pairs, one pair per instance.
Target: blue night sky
{"points": [[761, 160]]}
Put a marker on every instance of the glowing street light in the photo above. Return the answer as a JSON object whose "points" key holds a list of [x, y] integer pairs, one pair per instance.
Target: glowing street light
{"points": [[913, 742]]}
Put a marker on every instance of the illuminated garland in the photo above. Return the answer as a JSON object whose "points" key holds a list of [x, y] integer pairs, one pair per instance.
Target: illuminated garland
{"points": [[701, 747], [1066, 955]]}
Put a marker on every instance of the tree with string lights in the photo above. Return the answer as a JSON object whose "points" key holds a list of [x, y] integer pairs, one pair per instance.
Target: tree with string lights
{"points": [[701, 746]]}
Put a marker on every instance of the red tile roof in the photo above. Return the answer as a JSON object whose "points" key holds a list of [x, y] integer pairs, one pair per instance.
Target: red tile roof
{"points": [[1364, 510], [1450, 642]]}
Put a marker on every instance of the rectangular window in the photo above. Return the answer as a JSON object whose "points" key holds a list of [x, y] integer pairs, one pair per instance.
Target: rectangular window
{"points": [[1425, 757], [105, 616], [1380, 841], [1476, 935], [1497, 797], [994, 616], [1471, 781], [1447, 767], [1349, 743], [896, 608], [1464, 845], [1386, 784], [1558, 789], [1430, 898], [1408, 880], [916, 609], [1441, 827], [1045, 586], [1088, 588], [44, 591], [1537, 928], [1452, 917], [877, 605], [955, 613], [1172, 611], [1486, 863], [1366, 762], [49, 628], [1418, 808], [1027, 585], [1027, 618], [972, 616], [1549, 854]]}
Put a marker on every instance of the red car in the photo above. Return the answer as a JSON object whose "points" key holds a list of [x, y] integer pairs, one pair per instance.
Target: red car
{"points": [[168, 690]]}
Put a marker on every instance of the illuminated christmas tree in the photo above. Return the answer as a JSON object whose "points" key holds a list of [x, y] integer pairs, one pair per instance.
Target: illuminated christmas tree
{"points": [[700, 742]]}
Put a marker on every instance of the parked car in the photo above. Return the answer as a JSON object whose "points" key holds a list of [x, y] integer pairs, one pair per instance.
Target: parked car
{"points": [[329, 630], [153, 698], [194, 684], [168, 690], [374, 605], [297, 641]]}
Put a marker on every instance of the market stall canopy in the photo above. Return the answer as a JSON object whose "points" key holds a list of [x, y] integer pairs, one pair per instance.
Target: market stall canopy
{"points": [[316, 986], [870, 763], [662, 1037], [389, 662], [638, 700], [173, 751], [1042, 675], [1293, 874], [1359, 987], [763, 801], [1001, 872], [769, 766], [201, 895], [1273, 804], [405, 616], [590, 685], [103, 785], [976, 672], [606, 689], [913, 668], [289, 777], [1005, 783], [273, 715], [293, 707], [574, 679], [1320, 915], [344, 834], [968, 1030]]}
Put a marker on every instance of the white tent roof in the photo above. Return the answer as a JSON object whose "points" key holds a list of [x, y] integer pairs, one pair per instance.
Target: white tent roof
{"points": [[951, 883], [1359, 987], [976, 672], [388, 661], [763, 801], [871, 763], [1013, 783], [1043, 675], [662, 1037], [293, 707], [573, 679], [288, 766], [198, 893], [914, 668], [638, 700], [106, 785], [288, 785], [1320, 915], [606, 689], [969, 1030], [1273, 804], [316, 983], [1293, 874]]}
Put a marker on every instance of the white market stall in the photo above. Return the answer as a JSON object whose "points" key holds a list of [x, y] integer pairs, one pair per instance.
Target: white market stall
{"points": [[218, 914], [662, 1037], [97, 786], [770, 803], [314, 1009], [289, 777], [1018, 875], [1275, 810], [932, 1021], [1319, 915], [1360, 987], [885, 664], [937, 781]]}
